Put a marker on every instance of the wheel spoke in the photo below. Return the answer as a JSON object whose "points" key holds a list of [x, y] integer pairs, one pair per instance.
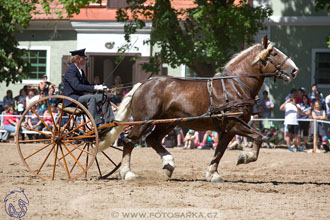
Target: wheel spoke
{"points": [[80, 137], [70, 151], [55, 159], [40, 149], [45, 159], [75, 146], [61, 115], [109, 159], [98, 166], [87, 161], [76, 161], [66, 166], [42, 121], [75, 129], [36, 140], [70, 118], [51, 113], [40, 132], [117, 148]]}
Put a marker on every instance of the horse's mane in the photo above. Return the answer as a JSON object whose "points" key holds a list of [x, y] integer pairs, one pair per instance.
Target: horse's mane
{"points": [[239, 56]]}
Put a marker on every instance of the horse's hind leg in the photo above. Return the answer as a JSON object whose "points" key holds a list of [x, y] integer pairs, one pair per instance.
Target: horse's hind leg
{"points": [[129, 143], [249, 156], [155, 141]]}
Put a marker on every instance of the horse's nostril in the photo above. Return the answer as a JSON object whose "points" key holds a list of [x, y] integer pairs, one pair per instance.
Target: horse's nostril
{"points": [[294, 73]]}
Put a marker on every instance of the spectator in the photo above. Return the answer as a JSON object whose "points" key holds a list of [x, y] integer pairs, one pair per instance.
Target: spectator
{"points": [[327, 105], [10, 122], [48, 117], [267, 105], [318, 114], [321, 99], [270, 136], [315, 89], [234, 144], [293, 94], [117, 91], [191, 140], [44, 85], [325, 144], [21, 101], [291, 123], [8, 100], [51, 92], [300, 94], [31, 97], [33, 121], [304, 114], [210, 140]]}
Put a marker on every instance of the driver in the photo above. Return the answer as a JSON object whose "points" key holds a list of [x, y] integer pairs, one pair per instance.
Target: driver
{"points": [[77, 87]]}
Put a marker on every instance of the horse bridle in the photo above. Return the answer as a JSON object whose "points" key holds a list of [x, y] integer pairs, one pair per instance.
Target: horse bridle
{"points": [[278, 68]]}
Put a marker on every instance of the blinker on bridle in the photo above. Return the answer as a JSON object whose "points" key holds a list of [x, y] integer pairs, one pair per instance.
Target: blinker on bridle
{"points": [[278, 68]]}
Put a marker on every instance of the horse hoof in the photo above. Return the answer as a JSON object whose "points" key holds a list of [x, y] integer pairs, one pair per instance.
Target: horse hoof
{"points": [[168, 165], [130, 176], [215, 178], [168, 170], [243, 157]]}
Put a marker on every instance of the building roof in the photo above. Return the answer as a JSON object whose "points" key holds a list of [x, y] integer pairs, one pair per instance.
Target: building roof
{"points": [[97, 12]]}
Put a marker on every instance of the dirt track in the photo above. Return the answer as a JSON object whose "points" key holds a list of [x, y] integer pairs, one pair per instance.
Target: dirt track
{"points": [[280, 185]]}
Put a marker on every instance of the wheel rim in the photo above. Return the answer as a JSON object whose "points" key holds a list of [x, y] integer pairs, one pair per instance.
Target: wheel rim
{"points": [[62, 151]]}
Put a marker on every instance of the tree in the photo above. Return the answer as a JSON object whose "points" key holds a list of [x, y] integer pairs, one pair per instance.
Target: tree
{"points": [[203, 37], [16, 15], [323, 5]]}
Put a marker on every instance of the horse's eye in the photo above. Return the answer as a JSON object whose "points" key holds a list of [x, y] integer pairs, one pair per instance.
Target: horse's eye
{"points": [[274, 54]]}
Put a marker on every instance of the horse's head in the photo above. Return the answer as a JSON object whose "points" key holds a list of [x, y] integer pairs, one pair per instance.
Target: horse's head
{"points": [[274, 61]]}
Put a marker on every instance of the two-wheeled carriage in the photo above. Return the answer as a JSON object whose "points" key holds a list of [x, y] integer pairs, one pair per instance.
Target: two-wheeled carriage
{"points": [[68, 144]]}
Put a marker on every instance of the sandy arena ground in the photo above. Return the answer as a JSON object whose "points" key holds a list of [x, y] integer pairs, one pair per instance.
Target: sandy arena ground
{"points": [[280, 185]]}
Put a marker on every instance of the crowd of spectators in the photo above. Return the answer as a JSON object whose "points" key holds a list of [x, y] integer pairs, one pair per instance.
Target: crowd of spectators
{"points": [[299, 107], [15, 106]]}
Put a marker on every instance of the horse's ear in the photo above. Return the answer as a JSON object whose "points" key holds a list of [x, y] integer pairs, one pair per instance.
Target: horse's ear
{"points": [[265, 41]]}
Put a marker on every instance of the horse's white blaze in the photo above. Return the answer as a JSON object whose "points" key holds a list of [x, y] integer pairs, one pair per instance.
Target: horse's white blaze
{"points": [[289, 61], [123, 114]]}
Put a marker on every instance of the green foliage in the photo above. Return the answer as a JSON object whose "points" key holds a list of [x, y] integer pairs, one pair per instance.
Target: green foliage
{"points": [[323, 5], [15, 15], [203, 38]]}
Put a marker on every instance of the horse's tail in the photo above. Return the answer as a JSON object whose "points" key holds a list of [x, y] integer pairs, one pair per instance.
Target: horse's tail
{"points": [[123, 114]]}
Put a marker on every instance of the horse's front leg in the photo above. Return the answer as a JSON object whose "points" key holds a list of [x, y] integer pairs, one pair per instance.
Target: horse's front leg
{"points": [[212, 174], [249, 156], [154, 139]]}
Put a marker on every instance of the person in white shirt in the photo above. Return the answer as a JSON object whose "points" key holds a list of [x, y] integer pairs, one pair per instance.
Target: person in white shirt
{"points": [[290, 120], [327, 105]]}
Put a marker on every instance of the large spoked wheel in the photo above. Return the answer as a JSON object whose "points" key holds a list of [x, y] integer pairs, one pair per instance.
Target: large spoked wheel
{"points": [[54, 141], [108, 161]]}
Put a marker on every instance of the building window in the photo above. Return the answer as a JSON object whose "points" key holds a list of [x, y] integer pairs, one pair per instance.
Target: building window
{"points": [[39, 58], [38, 61], [117, 4], [321, 67]]}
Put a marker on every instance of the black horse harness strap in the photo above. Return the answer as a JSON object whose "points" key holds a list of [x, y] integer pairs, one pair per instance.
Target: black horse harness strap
{"points": [[238, 80]]}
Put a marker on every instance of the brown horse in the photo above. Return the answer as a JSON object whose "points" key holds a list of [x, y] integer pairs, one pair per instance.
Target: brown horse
{"points": [[167, 97]]}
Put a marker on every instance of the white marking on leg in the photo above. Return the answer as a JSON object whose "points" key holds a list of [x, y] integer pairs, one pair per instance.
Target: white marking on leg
{"points": [[168, 164]]}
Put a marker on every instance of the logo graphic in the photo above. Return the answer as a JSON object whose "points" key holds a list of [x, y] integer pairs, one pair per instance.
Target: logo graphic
{"points": [[15, 204]]}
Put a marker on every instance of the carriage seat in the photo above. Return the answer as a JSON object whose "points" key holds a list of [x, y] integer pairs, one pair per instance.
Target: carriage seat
{"points": [[70, 110]]}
